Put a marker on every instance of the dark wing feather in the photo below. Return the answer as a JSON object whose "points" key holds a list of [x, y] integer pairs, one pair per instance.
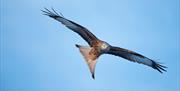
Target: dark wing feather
{"points": [[82, 31], [135, 57]]}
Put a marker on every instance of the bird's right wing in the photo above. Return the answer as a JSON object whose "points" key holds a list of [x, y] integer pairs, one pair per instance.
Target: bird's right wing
{"points": [[82, 31], [135, 57]]}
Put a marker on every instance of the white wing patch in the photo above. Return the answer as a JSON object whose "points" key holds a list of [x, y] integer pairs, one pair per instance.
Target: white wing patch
{"points": [[141, 60]]}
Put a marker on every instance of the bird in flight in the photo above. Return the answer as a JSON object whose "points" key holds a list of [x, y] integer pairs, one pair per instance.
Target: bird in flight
{"points": [[98, 47]]}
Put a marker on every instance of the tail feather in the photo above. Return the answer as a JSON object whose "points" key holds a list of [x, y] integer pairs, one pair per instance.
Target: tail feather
{"points": [[90, 60], [77, 45]]}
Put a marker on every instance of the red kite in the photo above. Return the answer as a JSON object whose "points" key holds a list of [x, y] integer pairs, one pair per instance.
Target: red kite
{"points": [[98, 47]]}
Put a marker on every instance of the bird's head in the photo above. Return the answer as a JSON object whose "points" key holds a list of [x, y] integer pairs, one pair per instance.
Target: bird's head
{"points": [[105, 46]]}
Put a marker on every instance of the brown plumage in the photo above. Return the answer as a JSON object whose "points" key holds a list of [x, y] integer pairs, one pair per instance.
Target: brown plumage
{"points": [[98, 47]]}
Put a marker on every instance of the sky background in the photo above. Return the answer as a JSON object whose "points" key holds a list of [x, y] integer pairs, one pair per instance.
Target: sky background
{"points": [[39, 54]]}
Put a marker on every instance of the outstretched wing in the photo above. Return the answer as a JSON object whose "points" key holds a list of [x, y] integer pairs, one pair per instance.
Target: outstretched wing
{"points": [[82, 31], [135, 57]]}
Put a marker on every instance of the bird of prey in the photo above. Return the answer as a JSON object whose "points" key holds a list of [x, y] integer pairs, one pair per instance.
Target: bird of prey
{"points": [[98, 47]]}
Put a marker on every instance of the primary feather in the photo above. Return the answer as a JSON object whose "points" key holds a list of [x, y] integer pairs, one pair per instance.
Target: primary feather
{"points": [[82, 31], [135, 57]]}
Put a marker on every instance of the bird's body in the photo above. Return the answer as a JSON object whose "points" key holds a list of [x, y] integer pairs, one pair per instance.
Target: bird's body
{"points": [[92, 53], [98, 47]]}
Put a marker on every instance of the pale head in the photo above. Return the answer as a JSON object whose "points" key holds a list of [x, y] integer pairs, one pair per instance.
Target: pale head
{"points": [[105, 46]]}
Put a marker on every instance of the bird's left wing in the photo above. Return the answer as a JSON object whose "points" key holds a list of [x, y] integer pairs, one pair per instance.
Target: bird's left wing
{"points": [[135, 57], [82, 31]]}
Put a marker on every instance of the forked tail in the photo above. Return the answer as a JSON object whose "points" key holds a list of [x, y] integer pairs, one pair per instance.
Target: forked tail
{"points": [[90, 59]]}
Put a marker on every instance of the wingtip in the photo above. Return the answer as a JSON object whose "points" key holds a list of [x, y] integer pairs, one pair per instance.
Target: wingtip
{"points": [[51, 13], [159, 67]]}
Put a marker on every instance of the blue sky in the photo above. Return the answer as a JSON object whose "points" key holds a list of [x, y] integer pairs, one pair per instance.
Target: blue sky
{"points": [[39, 54]]}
